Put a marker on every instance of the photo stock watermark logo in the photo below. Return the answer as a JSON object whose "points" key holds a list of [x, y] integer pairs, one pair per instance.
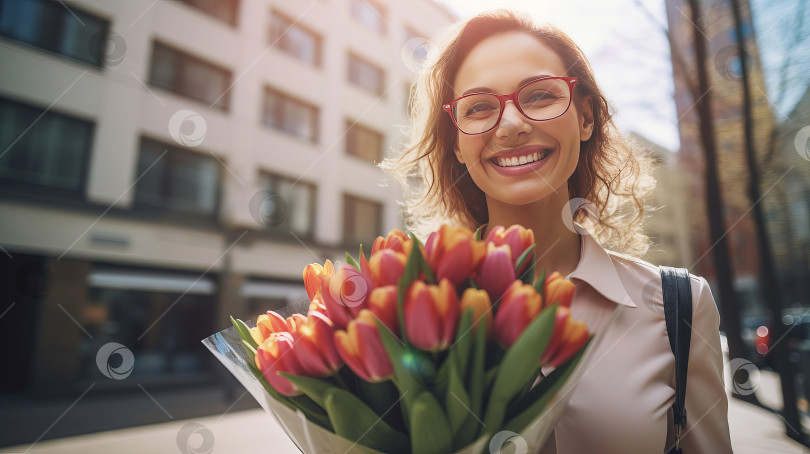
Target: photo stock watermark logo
{"points": [[802, 142], [188, 128], [502, 438], [34, 280], [729, 63], [115, 361], [744, 376], [348, 288], [571, 210], [109, 49], [268, 208], [652, 296], [414, 54], [195, 438]]}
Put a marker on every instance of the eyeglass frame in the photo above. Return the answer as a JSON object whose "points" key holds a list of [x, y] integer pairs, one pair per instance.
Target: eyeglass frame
{"points": [[571, 81]]}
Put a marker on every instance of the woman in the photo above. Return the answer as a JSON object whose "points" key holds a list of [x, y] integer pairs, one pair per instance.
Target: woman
{"points": [[509, 127]]}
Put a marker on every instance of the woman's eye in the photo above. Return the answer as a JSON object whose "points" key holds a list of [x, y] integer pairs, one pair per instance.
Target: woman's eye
{"points": [[479, 108], [540, 96]]}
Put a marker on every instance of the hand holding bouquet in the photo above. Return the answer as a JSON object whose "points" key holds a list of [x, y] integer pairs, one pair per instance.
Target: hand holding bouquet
{"points": [[432, 348]]}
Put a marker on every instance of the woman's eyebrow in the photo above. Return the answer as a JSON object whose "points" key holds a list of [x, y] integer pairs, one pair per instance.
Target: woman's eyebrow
{"points": [[489, 90]]}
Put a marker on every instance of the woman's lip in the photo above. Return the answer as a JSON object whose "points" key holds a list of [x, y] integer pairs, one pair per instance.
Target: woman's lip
{"points": [[521, 168]]}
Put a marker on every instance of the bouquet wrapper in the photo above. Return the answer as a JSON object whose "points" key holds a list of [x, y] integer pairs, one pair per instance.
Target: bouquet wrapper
{"points": [[310, 438]]}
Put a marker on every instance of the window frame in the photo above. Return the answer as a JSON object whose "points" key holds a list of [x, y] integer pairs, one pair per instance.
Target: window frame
{"points": [[277, 40], [237, 4], [351, 242], [224, 102], [168, 211], [381, 11], [380, 91], [351, 126], [287, 98], [274, 177]]}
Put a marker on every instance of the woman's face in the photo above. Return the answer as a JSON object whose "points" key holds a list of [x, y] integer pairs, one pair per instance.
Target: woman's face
{"points": [[499, 64]]}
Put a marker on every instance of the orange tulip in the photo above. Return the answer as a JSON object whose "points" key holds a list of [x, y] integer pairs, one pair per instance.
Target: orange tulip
{"points": [[314, 275], [361, 349], [275, 355], [386, 267], [558, 290], [567, 338], [267, 324], [383, 304], [453, 253], [516, 237], [520, 305], [344, 294], [396, 240], [481, 305], [431, 314], [497, 271]]}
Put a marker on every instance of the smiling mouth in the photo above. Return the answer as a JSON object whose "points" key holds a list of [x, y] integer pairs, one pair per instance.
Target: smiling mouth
{"points": [[520, 160]]}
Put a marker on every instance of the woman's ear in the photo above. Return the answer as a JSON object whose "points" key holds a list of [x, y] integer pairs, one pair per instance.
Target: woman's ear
{"points": [[585, 118]]}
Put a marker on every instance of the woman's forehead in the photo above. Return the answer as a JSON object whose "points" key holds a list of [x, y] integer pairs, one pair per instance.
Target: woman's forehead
{"points": [[500, 62]]}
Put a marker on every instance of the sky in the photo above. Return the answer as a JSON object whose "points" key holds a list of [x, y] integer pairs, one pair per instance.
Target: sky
{"points": [[626, 44]]}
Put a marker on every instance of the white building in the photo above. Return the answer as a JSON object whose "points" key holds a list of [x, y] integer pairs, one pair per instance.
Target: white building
{"points": [[167, 163]]}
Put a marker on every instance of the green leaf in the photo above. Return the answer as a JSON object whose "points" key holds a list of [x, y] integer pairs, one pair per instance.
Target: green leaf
{"points": [[533, 404], [477, 378], [351, 261], [410, 274], [519, 364], [465, 335], [406, 369], [315, 388], [355, 421], [540, 285], [528, 274], [457, 401], [244, 332], [312, 411], [478, 232], [430, 430], [379, 396], [423, 264]]}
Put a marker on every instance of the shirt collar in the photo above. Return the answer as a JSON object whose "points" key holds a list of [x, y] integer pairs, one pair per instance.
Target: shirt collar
{"points": [[596, 268]]}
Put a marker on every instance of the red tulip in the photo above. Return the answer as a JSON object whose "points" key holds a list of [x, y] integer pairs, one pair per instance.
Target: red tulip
{"points": [[516, 237], [344, 294], [275, 355], [558, 290], [453, 253], [396, 240], [267, 324], [481, 305], [361, 349], [520, 305], [431, 314], [567, 338], [497, 271], [383, 304], [314, 275], [386, 267], [314, 347]]}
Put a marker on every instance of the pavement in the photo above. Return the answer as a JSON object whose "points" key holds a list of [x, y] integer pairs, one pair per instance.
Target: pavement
{"points": [[753, 430]]}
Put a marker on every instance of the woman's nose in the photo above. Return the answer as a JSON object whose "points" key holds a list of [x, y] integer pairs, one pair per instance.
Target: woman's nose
{"points": [[512, 122]]}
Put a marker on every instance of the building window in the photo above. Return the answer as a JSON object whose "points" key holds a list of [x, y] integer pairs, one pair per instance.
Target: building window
{"points": [[362, 220], [43, 148], [295, 40], [53, 27], [363, 142], [369, 14], [175, 179], [290, 115], [289, 206], [366, 75], [223, 9], [189, 76]]}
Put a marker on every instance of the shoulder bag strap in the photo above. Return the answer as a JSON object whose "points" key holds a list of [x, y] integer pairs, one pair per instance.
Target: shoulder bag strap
{"points": [[677, 292]]}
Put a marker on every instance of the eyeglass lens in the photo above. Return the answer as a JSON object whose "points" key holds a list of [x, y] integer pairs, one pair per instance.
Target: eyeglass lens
{"points": [[540, 100]]}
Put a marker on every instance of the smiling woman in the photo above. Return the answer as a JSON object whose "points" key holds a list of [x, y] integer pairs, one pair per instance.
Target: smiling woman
{"points": [[509, 127]]}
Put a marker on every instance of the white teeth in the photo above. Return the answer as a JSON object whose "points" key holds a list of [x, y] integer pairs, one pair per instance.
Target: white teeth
{"points": [[514, 161]]}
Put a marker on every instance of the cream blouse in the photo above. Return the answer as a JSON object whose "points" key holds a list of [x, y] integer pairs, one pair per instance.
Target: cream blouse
{"points": [[623, 402]]}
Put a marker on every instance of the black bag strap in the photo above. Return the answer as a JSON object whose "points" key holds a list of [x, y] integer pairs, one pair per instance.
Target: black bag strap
{"points": [[677, 292]]}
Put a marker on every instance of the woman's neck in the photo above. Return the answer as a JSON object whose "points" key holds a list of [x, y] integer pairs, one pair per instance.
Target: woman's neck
{"points": [[557, 246]]}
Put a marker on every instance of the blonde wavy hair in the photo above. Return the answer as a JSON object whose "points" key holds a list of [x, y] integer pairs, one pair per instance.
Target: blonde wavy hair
{"points": [[612, 174]]}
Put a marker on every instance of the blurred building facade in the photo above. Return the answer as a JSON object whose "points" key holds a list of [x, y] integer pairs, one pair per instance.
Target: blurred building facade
{"points": [[165, 164], [668, 224]]}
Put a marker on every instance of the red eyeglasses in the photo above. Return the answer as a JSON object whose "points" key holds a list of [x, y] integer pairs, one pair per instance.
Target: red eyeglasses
{"points": [[541, 99]]}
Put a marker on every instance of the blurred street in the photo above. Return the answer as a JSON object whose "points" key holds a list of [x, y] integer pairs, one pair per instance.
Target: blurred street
{"points": [[753, 431]]}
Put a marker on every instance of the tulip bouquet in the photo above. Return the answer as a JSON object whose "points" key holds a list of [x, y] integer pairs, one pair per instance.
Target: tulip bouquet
{"points": [[423, 348]]}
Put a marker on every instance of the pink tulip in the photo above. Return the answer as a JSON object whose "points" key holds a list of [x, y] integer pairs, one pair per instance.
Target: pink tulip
{"points": [[275, 355], [314, 347], [516, 237], [481, 305], [431, 313], [344, 294], [453, 253], [497, 271], [520, 305], [396, 240], [361, 349], [383, 304], [568, 337], [386, 267]]}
